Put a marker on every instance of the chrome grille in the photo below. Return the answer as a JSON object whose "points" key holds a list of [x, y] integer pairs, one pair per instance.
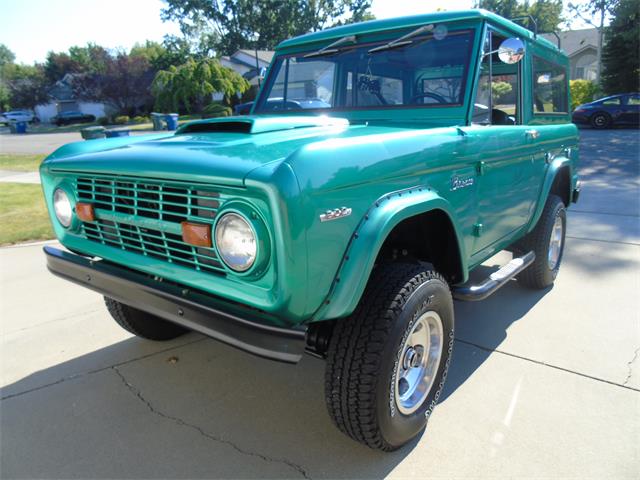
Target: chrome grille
{"points": [[149, 199], [124, 206]]}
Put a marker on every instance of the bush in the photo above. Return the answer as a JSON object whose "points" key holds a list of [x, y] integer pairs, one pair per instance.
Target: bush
{"points": [[216, 110], [121, 119], [141, 119], [582, 91], [103, 121]]}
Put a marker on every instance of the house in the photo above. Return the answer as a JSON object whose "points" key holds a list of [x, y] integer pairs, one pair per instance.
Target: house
{"points": [[243, 62], [582, 48], [64, 100]]}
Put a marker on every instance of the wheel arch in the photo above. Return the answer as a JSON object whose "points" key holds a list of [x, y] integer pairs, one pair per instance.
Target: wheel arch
{"points": [[392, 215], [560, 181]]}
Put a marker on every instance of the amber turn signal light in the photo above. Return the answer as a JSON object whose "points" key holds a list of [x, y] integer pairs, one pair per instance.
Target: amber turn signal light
{"points": [[85, 212], [196, 234]]}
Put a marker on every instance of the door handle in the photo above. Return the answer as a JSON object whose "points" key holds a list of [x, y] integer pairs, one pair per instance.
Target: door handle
{"points": [[532, 134]]}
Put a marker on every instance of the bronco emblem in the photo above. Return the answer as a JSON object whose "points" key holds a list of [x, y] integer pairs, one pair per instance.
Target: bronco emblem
{"points": [[461, 182]]}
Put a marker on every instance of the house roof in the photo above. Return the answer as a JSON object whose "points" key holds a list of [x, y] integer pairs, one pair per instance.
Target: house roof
{"points": [[574, 41], [263, 55]]}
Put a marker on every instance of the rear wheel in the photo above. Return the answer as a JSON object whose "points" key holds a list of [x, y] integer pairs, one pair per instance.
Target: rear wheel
{"points": [[600, 120], [547, 242], [142, 324], [387, 362]]}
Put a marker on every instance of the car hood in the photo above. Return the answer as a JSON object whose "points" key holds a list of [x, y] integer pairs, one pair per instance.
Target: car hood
{"points": [[220, 151]]}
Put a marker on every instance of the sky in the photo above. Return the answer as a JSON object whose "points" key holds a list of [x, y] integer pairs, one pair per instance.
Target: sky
{"points": [[31, 28]]}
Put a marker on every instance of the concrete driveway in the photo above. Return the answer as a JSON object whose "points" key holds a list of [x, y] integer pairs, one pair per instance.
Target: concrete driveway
{"points": [[543, 384]]}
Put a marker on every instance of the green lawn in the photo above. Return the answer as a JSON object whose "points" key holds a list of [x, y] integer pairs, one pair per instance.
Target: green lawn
{"points": [[20, 163], [23, 215]]}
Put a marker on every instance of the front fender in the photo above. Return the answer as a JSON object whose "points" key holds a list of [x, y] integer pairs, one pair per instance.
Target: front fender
{"points": [[365, 243]]}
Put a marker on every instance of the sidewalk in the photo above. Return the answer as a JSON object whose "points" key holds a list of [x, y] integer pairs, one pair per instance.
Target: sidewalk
{"points": [[9, 176]]}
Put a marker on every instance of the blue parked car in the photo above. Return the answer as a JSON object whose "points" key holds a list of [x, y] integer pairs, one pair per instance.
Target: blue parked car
{"points": [[623, 109]]}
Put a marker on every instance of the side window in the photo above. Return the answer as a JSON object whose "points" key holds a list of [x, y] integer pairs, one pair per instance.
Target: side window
{"points": [[633, 100], [498, 96], [549, 87], [612, 101]]}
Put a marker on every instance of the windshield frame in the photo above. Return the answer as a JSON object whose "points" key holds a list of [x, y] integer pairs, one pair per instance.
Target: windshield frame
{"points": [[466, 80]]}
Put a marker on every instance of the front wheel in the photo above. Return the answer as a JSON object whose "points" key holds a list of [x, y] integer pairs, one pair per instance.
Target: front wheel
{"points": [[387, 362]]}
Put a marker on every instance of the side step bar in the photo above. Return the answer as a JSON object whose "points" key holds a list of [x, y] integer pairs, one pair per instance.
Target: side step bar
{"points": [[496, 280]]}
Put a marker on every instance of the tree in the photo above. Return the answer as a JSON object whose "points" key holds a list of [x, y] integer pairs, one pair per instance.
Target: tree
{"points": [[621, 53], [6, 60], [546, 13], [6, 55], [124, 83], [89, 59], [27, 85], [500, 89], [189, 86], [595, 13], [233, 24], [582, 91]]}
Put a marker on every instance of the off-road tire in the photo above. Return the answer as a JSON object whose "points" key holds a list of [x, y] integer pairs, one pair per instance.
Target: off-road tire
{"points": [[538, 275], [600, 120], [142, 324], [364, 352]]}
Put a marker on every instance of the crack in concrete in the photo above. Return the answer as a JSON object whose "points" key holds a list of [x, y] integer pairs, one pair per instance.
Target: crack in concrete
{"points": [[179, 421], [630, 366], [550, 365], [98, 370]]}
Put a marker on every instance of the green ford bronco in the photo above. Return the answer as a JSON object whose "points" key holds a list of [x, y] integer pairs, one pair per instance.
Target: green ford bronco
{"points": [[381, 163]]}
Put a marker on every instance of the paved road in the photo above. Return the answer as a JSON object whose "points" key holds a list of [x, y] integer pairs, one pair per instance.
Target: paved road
{"points": [[543, 384], [39, 143]]}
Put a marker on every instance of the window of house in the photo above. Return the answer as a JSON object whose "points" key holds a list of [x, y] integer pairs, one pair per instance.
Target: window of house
{"points": [[549, 87]]}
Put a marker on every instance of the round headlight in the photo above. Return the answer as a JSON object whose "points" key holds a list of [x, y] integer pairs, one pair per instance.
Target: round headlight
{"points": [[236, 242], [62, 207]]}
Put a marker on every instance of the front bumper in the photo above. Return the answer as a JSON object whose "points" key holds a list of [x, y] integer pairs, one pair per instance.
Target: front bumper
{"points": [[191, 309]]}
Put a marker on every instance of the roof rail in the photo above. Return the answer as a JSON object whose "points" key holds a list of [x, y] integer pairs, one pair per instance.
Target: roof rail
{"points": [[532, 20], [555, 34]]}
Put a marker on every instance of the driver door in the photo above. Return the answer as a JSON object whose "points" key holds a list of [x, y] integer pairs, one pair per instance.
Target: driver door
{"points": [[506, 151]]}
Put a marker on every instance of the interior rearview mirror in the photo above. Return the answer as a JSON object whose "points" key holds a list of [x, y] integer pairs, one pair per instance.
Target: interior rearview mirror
{"points": [[511, 50]]}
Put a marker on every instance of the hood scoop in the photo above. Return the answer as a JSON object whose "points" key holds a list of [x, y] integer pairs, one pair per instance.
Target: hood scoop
{"points": [[260, 124]]}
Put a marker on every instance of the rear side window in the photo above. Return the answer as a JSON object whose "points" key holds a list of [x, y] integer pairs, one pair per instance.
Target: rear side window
{"points": [[549, 87]]}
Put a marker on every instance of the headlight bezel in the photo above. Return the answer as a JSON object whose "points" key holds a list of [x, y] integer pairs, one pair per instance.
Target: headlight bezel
{"points": [[262, 240], [70, 200]]}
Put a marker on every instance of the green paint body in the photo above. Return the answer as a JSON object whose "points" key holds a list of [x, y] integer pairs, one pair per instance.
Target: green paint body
{"points": [[386, 165]]}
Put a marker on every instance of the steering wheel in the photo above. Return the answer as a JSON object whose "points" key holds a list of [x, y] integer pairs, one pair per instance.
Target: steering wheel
{"points": [[435, 96]]}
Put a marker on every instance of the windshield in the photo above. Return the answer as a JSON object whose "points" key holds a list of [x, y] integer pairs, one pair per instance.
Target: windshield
{"points": [[430, 71]]}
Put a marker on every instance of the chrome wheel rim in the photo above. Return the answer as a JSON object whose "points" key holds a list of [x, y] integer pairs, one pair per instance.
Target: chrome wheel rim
{"points": [[555, 244], [599, 120], [418, 362]]}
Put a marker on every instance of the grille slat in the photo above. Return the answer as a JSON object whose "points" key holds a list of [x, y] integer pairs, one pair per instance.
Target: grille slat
{"points": [[122, 200]]}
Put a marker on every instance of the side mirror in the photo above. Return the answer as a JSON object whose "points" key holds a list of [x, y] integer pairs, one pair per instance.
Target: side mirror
{"points": [[511, 50]]}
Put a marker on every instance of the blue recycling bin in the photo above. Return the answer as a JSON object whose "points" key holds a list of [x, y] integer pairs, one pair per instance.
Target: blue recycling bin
{"points": [[116, 133], [21, 127], [172, 121]]}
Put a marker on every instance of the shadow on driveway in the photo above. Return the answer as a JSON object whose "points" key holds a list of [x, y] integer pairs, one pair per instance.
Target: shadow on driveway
{"points": [[223, 400]]}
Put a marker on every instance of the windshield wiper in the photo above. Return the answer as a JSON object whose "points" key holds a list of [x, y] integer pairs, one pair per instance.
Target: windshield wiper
{"points": [[404, 40], [330, 49]]}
